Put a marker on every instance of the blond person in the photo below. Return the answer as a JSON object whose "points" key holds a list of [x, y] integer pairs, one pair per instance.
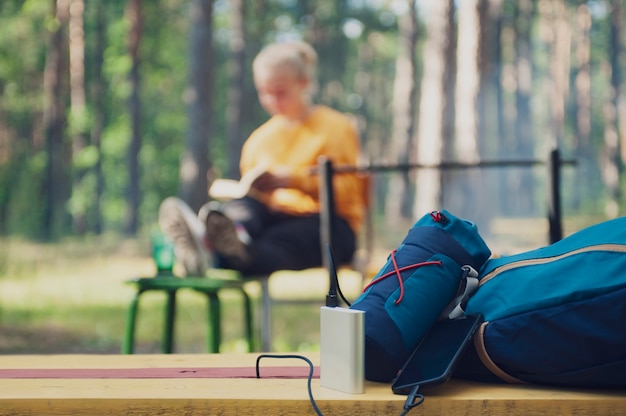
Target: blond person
{"points": [[277, 226]]}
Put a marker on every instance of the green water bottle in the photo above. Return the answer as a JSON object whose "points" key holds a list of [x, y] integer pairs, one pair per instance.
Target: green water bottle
{"points": [[162, 253]]}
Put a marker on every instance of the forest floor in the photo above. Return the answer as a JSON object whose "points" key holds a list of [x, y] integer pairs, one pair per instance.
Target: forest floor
{"points": [[73, 297]]}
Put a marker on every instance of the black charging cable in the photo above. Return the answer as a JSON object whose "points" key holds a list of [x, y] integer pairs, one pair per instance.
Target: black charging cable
{"points": [[413, 400], [309, 378]]}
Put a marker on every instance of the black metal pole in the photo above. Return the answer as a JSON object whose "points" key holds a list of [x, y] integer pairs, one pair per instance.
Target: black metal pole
{"points": [[554, 196]]}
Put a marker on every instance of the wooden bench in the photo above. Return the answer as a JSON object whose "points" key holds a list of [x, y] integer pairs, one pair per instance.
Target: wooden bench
{"points": [[44, 384]]}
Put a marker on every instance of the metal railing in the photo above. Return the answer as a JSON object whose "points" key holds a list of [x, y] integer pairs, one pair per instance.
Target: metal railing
{"points": [[326, 171]]}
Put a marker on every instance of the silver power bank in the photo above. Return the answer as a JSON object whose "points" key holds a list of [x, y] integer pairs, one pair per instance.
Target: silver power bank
{"points": [[342, 349]]}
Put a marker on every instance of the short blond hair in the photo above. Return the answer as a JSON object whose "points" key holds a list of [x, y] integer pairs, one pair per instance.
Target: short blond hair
{"points": [[297, 56]]}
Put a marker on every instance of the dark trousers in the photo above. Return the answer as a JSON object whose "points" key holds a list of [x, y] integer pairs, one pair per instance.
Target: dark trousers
{"points": [[287, 242]]}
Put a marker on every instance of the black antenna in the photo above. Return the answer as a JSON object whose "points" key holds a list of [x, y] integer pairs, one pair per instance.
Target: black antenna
{"points": [[327, 214], [331, 298]]}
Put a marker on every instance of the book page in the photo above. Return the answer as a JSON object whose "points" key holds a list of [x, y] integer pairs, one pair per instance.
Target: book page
{"points": [[225, 189]]}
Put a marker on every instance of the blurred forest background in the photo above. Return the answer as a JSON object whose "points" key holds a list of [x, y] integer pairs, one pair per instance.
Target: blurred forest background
{"points": [[107, 107]]}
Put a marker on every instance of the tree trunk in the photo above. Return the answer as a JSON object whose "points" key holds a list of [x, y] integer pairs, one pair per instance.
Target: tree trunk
{"points": [[195, 161], [98, 113], [255, 31], [559, 69], [56, 185], [78, 110], [398, 198], [435, 106], [133, 193], [466, 185], [327, 38], [611, 164], [522, 200], [490, 128], [582, 80], [618, 63], [468, 80], [235, 92]]}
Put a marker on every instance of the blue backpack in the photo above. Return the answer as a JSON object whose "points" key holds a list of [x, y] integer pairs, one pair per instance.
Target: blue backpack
{"points": [[555, 315], [419, 279]]}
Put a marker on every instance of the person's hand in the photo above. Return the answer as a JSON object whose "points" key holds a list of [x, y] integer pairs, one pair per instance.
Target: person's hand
{"points": [[268, 181]]}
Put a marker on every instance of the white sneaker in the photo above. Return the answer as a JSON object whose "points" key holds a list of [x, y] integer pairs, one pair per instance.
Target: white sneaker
{"points": [[180, 224]]}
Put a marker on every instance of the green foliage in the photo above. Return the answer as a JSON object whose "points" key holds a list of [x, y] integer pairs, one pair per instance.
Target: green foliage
{"points": [[21, 65], [72, 297], [23, 216], [357, 43]]}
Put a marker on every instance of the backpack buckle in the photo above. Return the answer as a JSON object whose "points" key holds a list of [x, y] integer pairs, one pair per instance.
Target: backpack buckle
{"points": [[467, 287]]}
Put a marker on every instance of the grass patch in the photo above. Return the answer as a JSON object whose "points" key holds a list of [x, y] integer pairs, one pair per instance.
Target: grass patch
{"points": [[72, 297]]}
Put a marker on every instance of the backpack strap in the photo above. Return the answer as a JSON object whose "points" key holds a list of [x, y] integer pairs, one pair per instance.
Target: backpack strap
{"points": [[481, 350], [467, 286]]}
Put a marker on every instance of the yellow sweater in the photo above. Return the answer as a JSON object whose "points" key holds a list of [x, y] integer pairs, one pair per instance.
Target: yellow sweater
{"points": [[281, 144]]}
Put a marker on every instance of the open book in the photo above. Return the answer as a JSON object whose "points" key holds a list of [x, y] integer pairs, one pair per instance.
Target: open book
{"points": [[225, 189]]}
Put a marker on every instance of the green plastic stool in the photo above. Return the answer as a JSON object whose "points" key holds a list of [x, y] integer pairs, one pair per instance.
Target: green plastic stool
{"points": [[210, 285]]}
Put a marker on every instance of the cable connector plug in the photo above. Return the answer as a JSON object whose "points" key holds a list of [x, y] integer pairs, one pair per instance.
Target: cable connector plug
{"points": [[332, 301]]}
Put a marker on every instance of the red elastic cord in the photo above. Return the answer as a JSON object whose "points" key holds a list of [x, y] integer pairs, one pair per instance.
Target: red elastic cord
{"points": [[397, 270], [436, 216]]}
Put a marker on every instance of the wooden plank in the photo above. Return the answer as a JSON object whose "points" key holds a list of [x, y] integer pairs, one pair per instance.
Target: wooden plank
{"points": [[196, 396]]}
